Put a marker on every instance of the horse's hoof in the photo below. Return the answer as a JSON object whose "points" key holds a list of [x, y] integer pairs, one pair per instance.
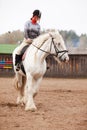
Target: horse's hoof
{"points": [[20, 101], [22, 104], [33, 109]]}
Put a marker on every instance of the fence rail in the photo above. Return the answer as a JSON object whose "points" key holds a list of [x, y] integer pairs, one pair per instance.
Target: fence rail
{"points": [[6, 66]]}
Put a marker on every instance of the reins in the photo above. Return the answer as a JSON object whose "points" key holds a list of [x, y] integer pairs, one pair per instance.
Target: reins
{"points": [[41, 49]]}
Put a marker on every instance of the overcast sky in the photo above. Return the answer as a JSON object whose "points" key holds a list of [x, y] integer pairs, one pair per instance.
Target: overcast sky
{"points": [[57, 14]]}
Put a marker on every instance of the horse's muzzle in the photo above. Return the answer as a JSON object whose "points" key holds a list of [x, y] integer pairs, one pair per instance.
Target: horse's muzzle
{"points": [[66, 59]]}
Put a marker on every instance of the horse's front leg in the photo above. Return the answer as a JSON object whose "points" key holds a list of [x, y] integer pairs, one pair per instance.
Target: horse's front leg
{"points": [[29, 92], [36, 85]]}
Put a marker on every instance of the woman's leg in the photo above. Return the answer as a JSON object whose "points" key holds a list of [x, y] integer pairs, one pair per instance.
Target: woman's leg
{"points": [[18, 56]]}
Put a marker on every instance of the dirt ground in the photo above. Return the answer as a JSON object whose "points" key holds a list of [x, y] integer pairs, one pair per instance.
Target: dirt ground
{"points": [[61, 105]]}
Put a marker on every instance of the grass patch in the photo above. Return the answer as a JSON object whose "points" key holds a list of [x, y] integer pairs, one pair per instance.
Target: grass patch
{"points": [[7, 48]]}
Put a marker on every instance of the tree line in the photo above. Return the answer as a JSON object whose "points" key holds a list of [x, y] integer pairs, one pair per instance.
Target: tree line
{"points": [[70, 37]]}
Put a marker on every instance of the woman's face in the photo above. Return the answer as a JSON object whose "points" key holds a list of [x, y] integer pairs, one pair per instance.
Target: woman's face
{"points": [[36, 18]]}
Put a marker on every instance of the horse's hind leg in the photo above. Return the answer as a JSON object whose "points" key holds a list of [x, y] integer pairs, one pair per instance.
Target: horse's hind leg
{"points": [[19, 84]]}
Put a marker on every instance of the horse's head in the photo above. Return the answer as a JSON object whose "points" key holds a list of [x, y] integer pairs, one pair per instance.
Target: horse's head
{"points": [[58, 46]]}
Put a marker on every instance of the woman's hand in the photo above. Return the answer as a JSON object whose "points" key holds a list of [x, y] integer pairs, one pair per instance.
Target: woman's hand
{"points": [[29, 40]]}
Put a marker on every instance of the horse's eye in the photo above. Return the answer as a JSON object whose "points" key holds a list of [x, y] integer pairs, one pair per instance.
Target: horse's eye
{"points": [[59, 44]]}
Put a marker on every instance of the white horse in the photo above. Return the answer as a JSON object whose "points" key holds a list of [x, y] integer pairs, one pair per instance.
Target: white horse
{"points": [[50, 43]]}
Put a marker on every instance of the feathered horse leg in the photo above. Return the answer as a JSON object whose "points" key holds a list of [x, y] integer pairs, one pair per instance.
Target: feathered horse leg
{"points": [[19, 83]]}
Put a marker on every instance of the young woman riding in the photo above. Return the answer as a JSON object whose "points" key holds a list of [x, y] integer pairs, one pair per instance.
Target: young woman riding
{"points": [[31, 31]]}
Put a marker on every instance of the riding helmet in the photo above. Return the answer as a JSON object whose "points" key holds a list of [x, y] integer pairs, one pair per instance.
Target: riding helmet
{"points": [[37, 13]]}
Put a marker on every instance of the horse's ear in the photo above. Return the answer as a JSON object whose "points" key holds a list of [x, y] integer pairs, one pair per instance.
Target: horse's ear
{"points": [[53, 33], [57, 31], [50, 33]]}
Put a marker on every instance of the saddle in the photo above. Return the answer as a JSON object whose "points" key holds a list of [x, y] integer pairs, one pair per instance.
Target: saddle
{"points": [[24, 50]]}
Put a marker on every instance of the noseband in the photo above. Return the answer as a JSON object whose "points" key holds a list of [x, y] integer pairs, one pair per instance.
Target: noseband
{"points": [[55, 47]]}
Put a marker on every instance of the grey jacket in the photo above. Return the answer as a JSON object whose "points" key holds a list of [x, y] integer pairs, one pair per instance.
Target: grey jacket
{"points": [[31, 30]]}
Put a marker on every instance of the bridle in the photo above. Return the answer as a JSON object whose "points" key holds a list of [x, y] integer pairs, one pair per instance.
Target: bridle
{"points": [[55, 47], [58, 51]]}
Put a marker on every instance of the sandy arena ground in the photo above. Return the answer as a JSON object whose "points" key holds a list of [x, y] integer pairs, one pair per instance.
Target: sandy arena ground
{"points": [[61, 103]]}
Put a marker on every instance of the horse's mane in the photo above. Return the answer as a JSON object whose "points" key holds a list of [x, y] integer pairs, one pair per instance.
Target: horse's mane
{"points": [[44, 37], [41, 38]]}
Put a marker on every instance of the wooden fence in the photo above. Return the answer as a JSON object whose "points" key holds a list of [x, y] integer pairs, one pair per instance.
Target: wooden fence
{"points": [[77, 66]]}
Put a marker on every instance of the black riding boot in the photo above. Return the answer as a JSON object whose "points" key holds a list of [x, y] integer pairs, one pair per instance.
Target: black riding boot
{"points": [[18, 59]]}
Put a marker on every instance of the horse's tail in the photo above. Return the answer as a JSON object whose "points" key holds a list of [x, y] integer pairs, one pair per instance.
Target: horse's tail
{"points": [[15, 83]]}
